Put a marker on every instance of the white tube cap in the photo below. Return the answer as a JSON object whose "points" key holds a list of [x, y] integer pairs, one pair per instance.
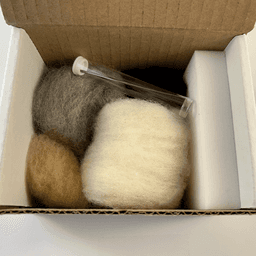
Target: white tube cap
{"points": [[79, 64]]}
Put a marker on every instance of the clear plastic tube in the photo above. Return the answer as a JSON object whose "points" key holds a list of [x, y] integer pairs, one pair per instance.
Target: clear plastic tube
{"points": [[133, 87]]}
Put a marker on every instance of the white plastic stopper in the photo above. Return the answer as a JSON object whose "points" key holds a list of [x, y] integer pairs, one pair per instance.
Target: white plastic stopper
{"points": [[79, 64]]}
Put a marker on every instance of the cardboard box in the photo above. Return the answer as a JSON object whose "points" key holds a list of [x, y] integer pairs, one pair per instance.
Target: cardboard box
{"points": [[118, 34]]}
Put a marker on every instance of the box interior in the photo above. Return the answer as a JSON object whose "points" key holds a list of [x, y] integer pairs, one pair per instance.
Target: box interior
{"points": [[118, 34]]}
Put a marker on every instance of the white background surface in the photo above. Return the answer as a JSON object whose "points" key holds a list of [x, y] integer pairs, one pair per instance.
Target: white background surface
{"points": [[123, 235]]}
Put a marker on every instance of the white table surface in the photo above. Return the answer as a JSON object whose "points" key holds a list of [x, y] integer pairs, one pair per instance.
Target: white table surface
{"points": [[123, 235]]}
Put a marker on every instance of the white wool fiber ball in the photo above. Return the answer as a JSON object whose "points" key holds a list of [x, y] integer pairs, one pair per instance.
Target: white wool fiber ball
{"points": [[138, 158]]}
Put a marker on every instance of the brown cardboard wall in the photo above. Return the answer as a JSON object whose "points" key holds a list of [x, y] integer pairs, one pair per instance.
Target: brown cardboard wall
{"points": [[124, 47], [124, 34], [220, 15]]}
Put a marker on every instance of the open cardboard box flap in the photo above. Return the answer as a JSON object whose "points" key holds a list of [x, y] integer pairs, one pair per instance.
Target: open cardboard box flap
{"points": [[122, 35], [126, 34]]}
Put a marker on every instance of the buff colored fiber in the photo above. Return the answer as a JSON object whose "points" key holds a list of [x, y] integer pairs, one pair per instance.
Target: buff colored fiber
{"points": [[138, 158], [53, 176]]}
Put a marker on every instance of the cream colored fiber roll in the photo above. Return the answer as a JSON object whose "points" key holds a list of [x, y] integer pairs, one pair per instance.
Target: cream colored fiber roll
{"points": [[138, 158]]}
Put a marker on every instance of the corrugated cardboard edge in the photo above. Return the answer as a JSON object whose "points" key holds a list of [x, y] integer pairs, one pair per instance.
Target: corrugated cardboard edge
{"points": [[22, 210]]}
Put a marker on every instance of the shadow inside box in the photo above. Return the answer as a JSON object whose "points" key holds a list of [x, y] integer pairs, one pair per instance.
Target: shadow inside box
{"points": [[166, 78]]}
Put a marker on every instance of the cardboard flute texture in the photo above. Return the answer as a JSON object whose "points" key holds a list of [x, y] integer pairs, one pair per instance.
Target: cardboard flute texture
{"points": [[127, 34]]}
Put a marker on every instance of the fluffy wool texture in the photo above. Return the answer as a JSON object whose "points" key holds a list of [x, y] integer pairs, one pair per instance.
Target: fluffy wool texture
{"points": [[138, 158], [53, 176], [66, 104]]}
